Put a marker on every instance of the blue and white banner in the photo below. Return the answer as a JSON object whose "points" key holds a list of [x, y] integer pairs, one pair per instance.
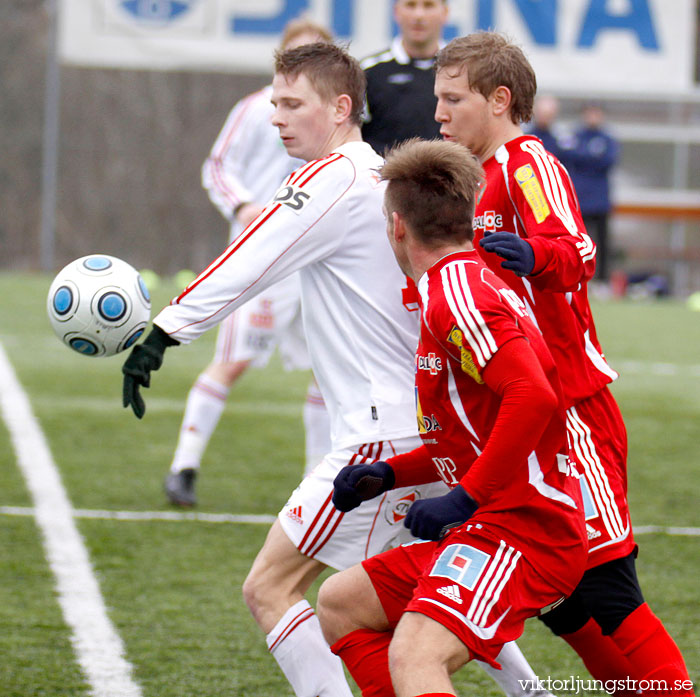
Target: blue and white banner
{"points": [[601, 47]]}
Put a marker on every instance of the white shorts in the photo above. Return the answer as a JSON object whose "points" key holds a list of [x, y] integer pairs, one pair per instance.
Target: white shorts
{"points": [[270, 320], [340, 540]]}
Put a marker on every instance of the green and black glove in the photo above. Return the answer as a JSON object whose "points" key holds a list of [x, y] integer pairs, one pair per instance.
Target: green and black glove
{"points": [[144, 358]]}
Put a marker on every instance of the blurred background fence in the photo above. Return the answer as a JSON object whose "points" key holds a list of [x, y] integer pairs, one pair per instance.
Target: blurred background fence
{"points": [[100, 152]]}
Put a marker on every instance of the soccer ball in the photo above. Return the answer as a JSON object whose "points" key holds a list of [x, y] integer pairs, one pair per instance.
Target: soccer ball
{"points": [[98, 305]]}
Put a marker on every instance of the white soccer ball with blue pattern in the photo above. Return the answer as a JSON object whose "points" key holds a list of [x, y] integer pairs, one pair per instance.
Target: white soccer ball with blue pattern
{"points": [[98, 305]]}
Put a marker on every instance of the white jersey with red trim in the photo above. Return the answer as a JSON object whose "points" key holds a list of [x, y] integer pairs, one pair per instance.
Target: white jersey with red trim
{"points": [[248, 161], [528, 192], [325, 222]]}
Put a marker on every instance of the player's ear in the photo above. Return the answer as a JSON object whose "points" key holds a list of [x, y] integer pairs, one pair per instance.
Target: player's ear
{"points": [[343, 107], [501, 99], [399, 226]]}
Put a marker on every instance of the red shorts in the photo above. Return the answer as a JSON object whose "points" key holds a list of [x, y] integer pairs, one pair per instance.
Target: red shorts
{"points": [[598, 442], [471, 582]]}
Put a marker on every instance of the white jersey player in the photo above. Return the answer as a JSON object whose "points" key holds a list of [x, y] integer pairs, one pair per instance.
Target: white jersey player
{"points": [[245, 167], [324, 222]]}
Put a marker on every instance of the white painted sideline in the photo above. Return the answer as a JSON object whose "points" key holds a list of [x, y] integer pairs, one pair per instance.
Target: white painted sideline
{"points": [[261, 519], [98, 647], [175, 516]]}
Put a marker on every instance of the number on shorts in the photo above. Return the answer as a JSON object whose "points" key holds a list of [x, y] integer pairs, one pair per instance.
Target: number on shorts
{"points": [[462, 564]]}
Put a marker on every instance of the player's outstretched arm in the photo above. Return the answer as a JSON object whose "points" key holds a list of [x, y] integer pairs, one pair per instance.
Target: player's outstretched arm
{"points": [[357, 483], [144, 358]]}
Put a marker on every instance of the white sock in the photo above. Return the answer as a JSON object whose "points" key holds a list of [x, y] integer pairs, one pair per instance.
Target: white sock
{"points": [[205, 404], [516, 678], [297, 644], [317, 425]]}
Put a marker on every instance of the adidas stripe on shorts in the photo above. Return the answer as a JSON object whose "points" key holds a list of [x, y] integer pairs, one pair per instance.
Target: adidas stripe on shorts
{"points": [[341, 540]]}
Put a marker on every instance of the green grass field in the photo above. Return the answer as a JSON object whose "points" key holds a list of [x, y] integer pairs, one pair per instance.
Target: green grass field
{"points": [[172, 588]]}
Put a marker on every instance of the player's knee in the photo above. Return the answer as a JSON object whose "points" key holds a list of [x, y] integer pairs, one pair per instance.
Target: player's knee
{"points": [[227, 372], [255, 591], [419, 644], [332, 608], [402, 656]]}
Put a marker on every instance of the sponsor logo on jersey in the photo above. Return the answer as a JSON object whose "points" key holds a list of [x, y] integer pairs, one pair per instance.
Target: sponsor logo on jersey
{"points": [[488, 221], [431, 363], [293, 197], [467, 360], [446, 468], [530, 185], [452, 593], [295, 515], [430, 424], [397, 510]]}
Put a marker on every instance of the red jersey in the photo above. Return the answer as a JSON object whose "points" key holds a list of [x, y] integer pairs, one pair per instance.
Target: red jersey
{"points": [[533, 500], [527, 191]]}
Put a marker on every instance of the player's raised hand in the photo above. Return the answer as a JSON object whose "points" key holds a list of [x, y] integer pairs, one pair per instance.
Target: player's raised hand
{"points": [[357, 483], [516, 251], [430, 519], [137, 368]]}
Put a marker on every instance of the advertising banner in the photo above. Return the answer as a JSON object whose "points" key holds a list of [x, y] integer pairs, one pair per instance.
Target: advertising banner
{"points": [[600, 46]]}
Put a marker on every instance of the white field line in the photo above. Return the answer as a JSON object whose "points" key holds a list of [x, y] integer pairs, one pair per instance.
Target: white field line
{"points": [[98, 647], [244, 519]]}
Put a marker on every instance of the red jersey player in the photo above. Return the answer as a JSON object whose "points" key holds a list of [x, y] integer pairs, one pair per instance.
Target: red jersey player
{"points": [[492, 424], [529, 231]]}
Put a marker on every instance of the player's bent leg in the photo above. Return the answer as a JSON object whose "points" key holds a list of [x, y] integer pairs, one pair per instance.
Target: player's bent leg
{"points": [[355, 625], [572, 621], [279, 578], [274, 592], [205, 404], [652, 653], [347, 601], [423, 655], [228, 372]]}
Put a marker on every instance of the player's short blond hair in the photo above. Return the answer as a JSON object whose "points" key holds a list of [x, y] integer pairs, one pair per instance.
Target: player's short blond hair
{"points": [[298, 27], [433, 185], [330, 69], [491, 61]]}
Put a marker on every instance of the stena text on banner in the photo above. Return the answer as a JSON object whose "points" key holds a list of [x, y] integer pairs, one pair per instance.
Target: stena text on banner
{"points": [[616, 47]]}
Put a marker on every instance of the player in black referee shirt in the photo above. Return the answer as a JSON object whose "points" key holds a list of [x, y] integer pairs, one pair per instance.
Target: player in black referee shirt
{"points": [[400, 100]]}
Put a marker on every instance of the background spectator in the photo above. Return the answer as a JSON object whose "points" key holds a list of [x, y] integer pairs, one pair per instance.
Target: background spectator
{"points": [[590, 159]]}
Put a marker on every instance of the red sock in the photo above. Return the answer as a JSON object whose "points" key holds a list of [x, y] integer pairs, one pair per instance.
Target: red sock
{"points": [[652, 653], [365, 652], [599, 654]]}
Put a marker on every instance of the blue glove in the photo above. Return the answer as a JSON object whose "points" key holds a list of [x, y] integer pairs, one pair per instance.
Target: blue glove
{"points": [[430, 519], [514, 249], [357, 483]]}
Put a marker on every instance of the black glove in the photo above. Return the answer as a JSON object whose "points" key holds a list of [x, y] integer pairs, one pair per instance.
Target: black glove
{"points": [[430, 519], [514, 249], [144, 358], [357, 483]]}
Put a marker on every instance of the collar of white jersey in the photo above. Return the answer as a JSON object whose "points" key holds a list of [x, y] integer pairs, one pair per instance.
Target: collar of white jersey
{"points": [[349, 147], [401, 57]]}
